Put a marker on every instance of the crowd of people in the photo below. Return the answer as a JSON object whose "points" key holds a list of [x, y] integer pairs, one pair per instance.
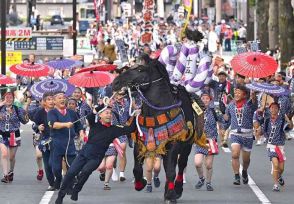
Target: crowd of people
{"points": [[75, 136]]}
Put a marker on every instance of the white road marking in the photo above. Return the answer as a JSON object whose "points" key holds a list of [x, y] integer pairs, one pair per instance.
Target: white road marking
{"points": [[47, 197], [256, 190]]}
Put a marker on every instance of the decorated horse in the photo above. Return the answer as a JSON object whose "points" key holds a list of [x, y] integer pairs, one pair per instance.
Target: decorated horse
{"points": [[167, 124]]}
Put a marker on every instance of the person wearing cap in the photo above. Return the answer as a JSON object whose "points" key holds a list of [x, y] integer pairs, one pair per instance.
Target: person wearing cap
{"points": [[11, 117], [274, 129], [43, 144], [228, 38], [239, 115], [223, 92], [64, 125], [101, 134], [212, 119]]}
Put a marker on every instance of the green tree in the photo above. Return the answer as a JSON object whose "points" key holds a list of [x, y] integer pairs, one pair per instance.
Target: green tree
{"points": [[273, 24], [286, 30], [262, 14]]}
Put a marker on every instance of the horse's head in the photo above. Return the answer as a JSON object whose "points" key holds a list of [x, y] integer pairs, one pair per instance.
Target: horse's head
{"points": [[136, 76]]}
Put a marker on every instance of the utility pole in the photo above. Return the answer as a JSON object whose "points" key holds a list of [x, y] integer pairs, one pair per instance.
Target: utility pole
{"points": [[74, 25], [3, 37]]}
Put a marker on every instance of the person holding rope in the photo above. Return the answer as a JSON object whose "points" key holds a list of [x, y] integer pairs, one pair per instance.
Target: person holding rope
{"points": [[64, 124], [44, 140], [101, 134]]}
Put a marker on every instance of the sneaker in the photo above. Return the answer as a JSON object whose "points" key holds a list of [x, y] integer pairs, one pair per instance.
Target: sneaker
{"points": [[51, 188], [106, 187], [156, 182], [114, 176], [40, 175], [276, 188], [200, 183], [209, 187], [122, 178], [225, 144], [245, 177], [102, 176], [237, 180], [148, 188], [281, 181], [259, 142], [5, 179], [10, 176]]}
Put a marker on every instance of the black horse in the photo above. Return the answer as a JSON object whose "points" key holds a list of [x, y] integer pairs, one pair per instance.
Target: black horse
{"points": [[159, 96]]}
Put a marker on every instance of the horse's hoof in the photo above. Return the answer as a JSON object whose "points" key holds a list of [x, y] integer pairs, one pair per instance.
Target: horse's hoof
{"points": [[140, 185], [170, 201], [178, 189]]}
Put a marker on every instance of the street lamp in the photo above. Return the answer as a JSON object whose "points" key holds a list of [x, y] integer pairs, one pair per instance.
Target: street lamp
{"points": [[3, 37], [74, 26]]}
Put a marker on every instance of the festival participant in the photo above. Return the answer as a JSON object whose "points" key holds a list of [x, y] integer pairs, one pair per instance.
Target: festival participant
{"points": [[43, 130], [83, 108], [152, 164], [211, 120], [101, 134], [11, 117], [62, 130], [274, 130], [33, 107], [120, 110], [239, 115], [223, 92]]}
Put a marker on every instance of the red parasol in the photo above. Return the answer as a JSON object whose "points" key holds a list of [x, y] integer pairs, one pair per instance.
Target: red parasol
{"points": [[91, 79], [99, 67], [6, 79], [254, 64], [30, 70]]}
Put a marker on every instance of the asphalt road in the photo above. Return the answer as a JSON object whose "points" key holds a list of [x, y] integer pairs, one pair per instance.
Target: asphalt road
{"points": [[26, 189]]}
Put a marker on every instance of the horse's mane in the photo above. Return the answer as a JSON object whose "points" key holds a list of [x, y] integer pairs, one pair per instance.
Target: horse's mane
{"points": [[160, 68], [194, 35]]}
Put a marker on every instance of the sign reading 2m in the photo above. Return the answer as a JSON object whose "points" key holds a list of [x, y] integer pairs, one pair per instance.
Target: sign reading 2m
{"points": [[18, 32]]}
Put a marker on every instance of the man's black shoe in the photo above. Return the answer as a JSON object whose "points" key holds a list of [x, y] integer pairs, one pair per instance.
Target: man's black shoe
{"points": [[245, 176], [74, 196], [102, 176]]}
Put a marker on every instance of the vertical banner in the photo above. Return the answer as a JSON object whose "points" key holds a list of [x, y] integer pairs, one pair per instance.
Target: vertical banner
{"points": [[187, 4], [97, 5], [148, 12]]}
